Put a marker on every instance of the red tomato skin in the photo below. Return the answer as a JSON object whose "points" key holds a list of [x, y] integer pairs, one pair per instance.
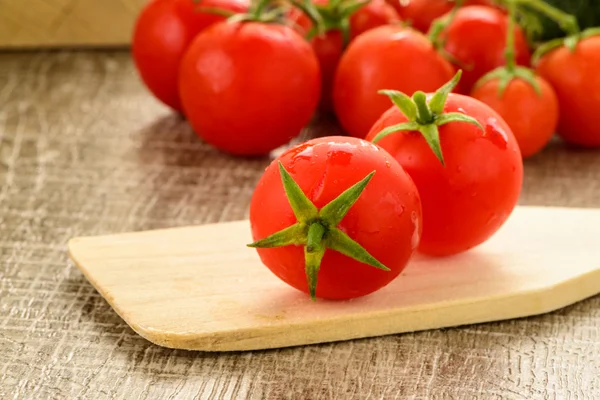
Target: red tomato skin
{"points": [[375, 13], [532, 118], [422, 13], [477, 38], [385, 220], [388, 57], [576, 79], [328, 48], [248, 88], [163, 31], [468, 200]]}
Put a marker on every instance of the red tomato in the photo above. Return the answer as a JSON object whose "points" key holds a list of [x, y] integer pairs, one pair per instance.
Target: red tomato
{"points": [[576, 79], [374, 14], [477, 39], [532, 118], [248, 88], [330, 46], [422, 13], [385, 220], [388, 57], [163, 31], [466, 201]]}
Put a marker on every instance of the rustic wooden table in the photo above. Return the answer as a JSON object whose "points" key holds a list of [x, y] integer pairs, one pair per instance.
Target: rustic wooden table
{"points": [[85, 150]]}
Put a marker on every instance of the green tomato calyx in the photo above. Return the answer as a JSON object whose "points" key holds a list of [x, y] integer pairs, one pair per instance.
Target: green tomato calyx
{"points": [[506, 76], [569, 42], [335, 15], [317, 230], [426, 117]]}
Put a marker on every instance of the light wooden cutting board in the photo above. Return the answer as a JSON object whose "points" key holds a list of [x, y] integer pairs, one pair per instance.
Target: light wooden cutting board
{"points": [[201, 288]]}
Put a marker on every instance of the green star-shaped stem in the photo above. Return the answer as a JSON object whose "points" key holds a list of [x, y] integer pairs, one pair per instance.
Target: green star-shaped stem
{"points": [[425, 117], [317, 230]]}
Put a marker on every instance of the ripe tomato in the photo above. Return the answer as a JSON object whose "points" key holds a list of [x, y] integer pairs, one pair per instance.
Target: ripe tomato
{"points": [[375, 13], [388, 57], [163, 31], [466, 200], [385, 220], [422, 13], [532, 117], [330, 45], [574, 76], [476, 37], [249, 87]]}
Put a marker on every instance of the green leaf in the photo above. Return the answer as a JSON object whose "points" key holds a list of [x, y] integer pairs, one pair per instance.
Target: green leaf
{"points": [[292, 235], [405, 126], [438, 100], [342, 243], [403, 102], [457, 117], [432, 137], [303, 208], [336, 210]]}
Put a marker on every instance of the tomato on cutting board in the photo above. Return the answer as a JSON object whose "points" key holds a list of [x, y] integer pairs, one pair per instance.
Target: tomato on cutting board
{"points": [[249, 87], [335, 217], [163, 31], [476, 39], [342, 22], [464, 160], [575, 75], [387, 57]]}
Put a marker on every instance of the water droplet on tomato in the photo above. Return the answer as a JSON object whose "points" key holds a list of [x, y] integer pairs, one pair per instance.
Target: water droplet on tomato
{"points": [[461, 110], [387, 164], [496, 134]]}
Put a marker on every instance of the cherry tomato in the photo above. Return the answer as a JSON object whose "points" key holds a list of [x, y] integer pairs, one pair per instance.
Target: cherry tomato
{"points": [[576, 79], [375, 13], [388, 57], [330, 45], [385, 220], [163, 31], [421, 13], [249, 87], [476, 37], [467, 199], [532, 117]]}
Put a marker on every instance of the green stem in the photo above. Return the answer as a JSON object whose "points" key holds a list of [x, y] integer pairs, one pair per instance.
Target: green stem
{"points": [[438, 26], [567, 22], [509, 52], [424, 114], [315, 237]]}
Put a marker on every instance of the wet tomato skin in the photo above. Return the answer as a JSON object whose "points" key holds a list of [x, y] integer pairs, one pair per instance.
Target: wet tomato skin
{"points": [[532, 118], [575, 77], [385, 220], [466, 201]]}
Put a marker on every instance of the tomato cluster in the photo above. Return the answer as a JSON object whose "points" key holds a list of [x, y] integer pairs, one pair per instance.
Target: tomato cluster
{"points": [[440, 100]]}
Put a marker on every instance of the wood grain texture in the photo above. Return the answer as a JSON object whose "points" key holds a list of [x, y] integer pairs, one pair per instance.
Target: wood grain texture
{"points": [[84, 150], [58, 23], [201, 288]]}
